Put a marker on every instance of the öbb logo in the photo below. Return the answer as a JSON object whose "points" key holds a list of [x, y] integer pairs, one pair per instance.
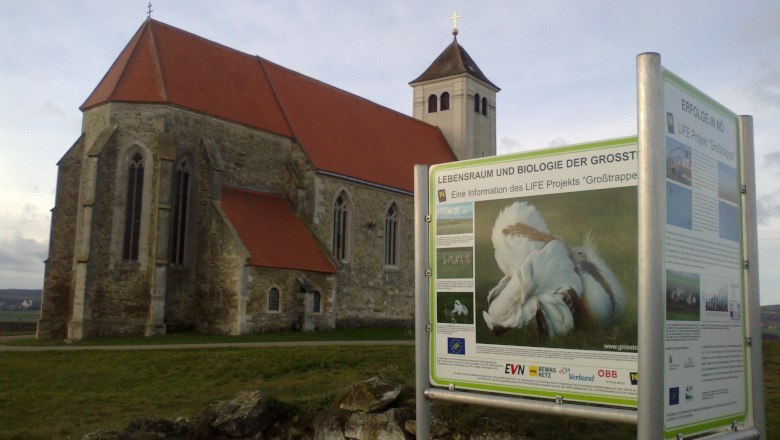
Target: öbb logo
{"points": [[609, 374]]}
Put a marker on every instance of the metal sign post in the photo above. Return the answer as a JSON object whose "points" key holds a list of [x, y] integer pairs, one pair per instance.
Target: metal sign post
{"points": [[421, 326]]}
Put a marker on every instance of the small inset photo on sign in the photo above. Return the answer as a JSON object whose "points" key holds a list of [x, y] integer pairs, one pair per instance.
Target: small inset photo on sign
{"points": [[679, 206], [455, 308], [728, 187], [455, 263], [683, 293], [456, 218], [678, 161]]}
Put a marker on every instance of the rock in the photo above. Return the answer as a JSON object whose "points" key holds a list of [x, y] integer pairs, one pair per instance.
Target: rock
{"points": [[329, 427], [157, 428], [245, 415], [375, 426], [371, 395], [102, 434]]}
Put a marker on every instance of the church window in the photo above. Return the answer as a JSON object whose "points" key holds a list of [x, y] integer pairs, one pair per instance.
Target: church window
{"points": [[391, 236], [445, 101], [133, 203], [476, 103], [432, 103], [340, 225], [315, 302], [484, 106], [273, 300], [181, 193]]}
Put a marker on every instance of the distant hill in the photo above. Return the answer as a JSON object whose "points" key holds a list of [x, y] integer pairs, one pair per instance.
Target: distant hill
{"points": [[770, 319], [20, 299]]}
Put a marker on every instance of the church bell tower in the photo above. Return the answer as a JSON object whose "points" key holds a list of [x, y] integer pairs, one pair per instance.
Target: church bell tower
{"points": [[454, 95]]}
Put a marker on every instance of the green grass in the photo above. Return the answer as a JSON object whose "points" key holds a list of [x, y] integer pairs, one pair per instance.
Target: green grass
{"points": [[56, 394], [66, 394], [19, 315], [361, 334]]}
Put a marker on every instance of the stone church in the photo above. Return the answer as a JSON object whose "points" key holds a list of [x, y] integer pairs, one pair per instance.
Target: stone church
{"points": [[216, 191]]}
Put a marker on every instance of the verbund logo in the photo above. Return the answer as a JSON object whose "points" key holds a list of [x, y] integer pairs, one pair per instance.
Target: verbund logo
{"points": [[581, 377]]}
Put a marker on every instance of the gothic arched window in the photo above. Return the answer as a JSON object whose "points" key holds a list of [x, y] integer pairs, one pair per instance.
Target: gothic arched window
{"points": [[391, 236], [476, 103], [133, 204], [273, 300], [181, 192], [340, 227], [484, 106], [315, 303], [432, 100], [445, 101]]}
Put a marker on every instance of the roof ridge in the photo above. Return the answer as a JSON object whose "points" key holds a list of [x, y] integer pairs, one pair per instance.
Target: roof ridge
{"points": [[331, 86], [156, 61], [276, 97], [134, 42]]}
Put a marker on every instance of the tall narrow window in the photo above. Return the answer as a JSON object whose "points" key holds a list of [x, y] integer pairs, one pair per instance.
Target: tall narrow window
{"points": [[181, 192], [432, 103], [484, 106], [340, 218], [391, 236], [476, 103], [315, 302], [273, 300], [135, 191], [445, 101]]}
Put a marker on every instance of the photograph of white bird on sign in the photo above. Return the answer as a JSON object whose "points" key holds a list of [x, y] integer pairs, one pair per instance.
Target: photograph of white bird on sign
{"points": [[455, 308], [557, 270]]}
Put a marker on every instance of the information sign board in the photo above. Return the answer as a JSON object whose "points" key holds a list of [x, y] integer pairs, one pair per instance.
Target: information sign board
{"points": [[705, 372], [533, 273]]}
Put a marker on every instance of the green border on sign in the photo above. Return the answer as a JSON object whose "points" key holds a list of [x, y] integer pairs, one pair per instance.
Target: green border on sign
{"points": [[712, 424], [488, 387]]}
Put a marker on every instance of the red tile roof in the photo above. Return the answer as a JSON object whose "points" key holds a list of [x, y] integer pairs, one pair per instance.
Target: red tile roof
{"points": [[272, 233], [340, 132]]}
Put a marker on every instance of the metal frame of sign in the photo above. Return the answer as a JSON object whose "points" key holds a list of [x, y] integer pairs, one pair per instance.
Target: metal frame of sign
{"points": [[449, 389], [652, 123], [652, 313]]}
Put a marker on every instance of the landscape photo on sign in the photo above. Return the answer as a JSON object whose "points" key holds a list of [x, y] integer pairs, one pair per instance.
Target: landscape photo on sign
{"points": [[557, 270]]}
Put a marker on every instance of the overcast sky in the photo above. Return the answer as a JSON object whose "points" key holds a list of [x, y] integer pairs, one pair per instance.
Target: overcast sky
{"points": [[567, 72]]}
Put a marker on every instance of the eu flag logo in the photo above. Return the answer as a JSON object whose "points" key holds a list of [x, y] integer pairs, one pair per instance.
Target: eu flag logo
{"points": [[456, 345]]}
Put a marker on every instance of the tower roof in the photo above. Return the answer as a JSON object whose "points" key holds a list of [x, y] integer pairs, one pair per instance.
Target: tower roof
{"points": [[340, 132], [454, 60]]}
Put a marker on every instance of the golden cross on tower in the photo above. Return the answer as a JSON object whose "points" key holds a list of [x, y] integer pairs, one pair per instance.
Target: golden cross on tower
{"points": [[454, 19]]}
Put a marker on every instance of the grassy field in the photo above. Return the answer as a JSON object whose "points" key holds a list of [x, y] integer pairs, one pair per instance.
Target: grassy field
{"points": [[19, 315], [47, 395]]}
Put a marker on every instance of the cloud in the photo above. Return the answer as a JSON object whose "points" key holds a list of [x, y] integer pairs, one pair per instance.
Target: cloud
{"points": [[772, 159], [767, 208], [557, 142], [21, 261]]}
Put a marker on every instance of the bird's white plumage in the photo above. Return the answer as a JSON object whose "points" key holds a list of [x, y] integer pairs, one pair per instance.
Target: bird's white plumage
{"points": [[460, 309], [544, 274], [511, 250], [603, 296]]}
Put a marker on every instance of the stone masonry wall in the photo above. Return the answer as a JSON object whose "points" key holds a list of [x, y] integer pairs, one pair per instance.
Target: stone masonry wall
{"points": [[57, 299], [293, 309], [369, 292]]}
